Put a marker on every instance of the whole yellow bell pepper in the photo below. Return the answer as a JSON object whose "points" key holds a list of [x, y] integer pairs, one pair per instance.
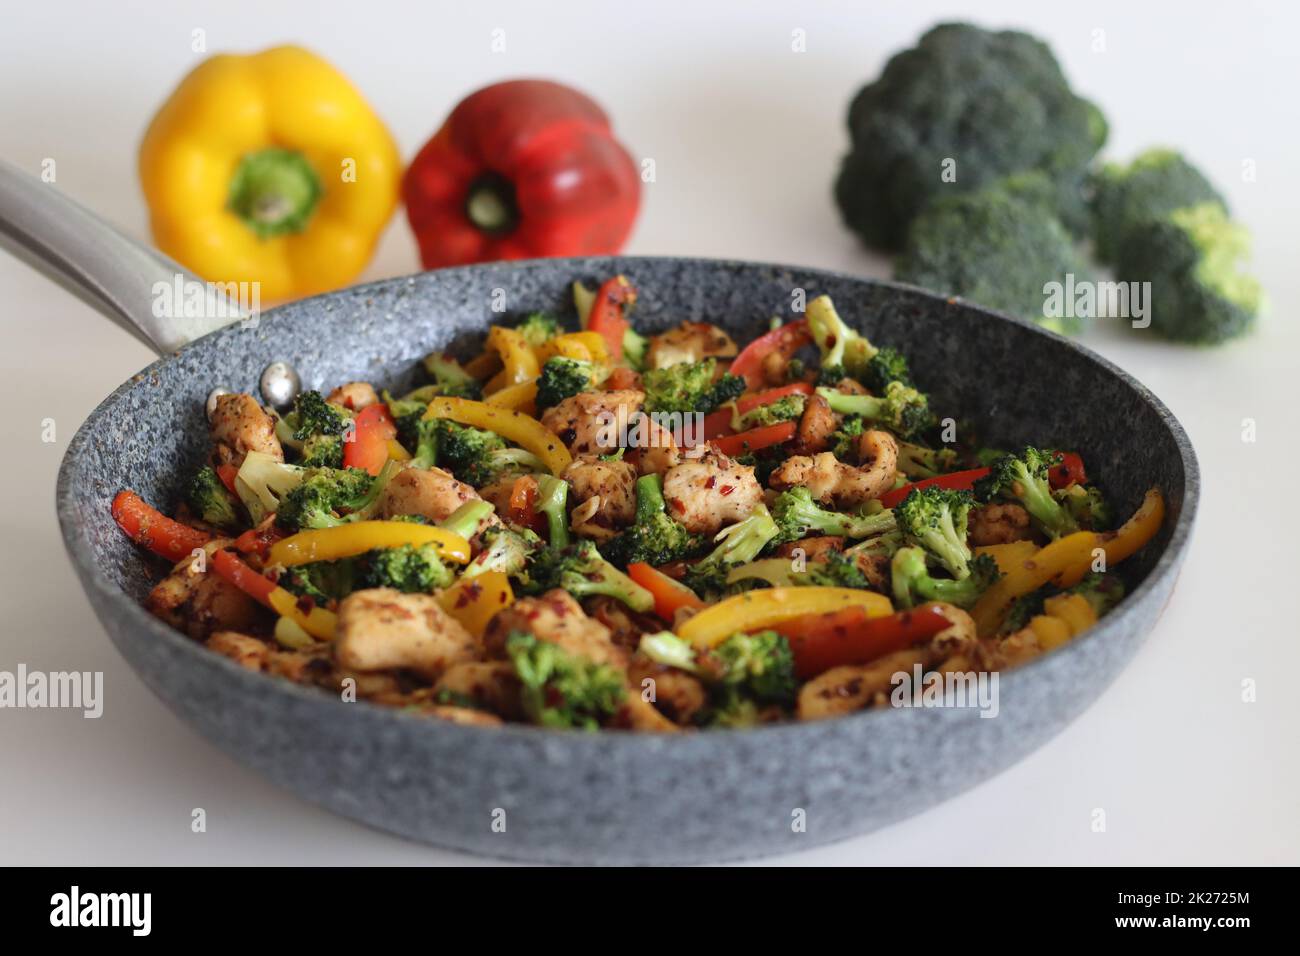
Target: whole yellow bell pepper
{"points": [[269, 168], [345, 540], [761, 609]]}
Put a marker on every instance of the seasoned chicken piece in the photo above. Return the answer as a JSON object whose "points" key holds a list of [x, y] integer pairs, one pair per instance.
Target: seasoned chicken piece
{"points": [[655, 448], [591, 423], [689, 342], [816, 425], [625, 625], [556, 618], [354, 395], [497, 492], [707, 494], [464, 715], [488, 684], [612, 482], [198, 602], [829, 480], [621, 378], [381, 628], [430, 492], [998, 524], [240, 425], [637, 713], [775, 365], [679, 696], [249, 653], [814, 549]]}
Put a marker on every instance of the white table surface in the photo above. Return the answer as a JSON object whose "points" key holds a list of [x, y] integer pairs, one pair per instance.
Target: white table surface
{"points": [[746, 136]]}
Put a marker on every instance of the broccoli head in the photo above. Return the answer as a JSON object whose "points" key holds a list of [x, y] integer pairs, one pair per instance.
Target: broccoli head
{"points": [[563, 378], [322, 581], [1146, 190], [689, 387], [784, 409], [538, 328], [314, 428], [737, 544], [844, 440], [504, 550], [902, 409], [653, 537], [449, 378], [995, 248], [933, 519], [405, 568], [210, 500], [744, 674], [325, 495], [912, 583], [474, 455], [798, 515], [262, 483], [917, 462], [562, 690], [1086, 505], [1193, 259], [995, 103], [580, 570], [1022, 478]]}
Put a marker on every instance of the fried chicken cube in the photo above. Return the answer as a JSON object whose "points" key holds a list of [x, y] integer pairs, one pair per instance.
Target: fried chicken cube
{"points": [[239, 425], [354, 396], [591, 423], [430, 492], [711, 492], [198, 602], [689, 342], [612, 482], [556, 618], [382, 628], [998, 524]]}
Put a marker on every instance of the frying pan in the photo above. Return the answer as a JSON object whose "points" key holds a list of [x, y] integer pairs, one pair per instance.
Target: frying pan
{"points": [[532, 794]]}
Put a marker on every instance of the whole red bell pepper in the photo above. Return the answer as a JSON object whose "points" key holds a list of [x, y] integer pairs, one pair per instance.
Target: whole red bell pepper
{"points": [[522, 169]]}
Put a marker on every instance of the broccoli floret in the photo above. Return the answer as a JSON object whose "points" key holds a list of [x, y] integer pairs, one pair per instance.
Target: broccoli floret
{"points": [[995, 248], [844, 351], [1086, 505], [784, 409], [580, 570], [314, 429], [1102, 591], [406, 568], [912, 583], [844, 440], [996, 103], [797, 515], [552, 501], [1148, 189], [887, 365], [917, 462], [538, 328], [1022, 479], [689, 387], [739, 543], [1193, 259], [563, 378], [504, 550], [449, 378], [902, 409], [475, 456], [743, 674], [653, 537], [262, 483], [882, 545], [326, 493], [934, 519], [210, 500], [322, 581], [560, 689]]}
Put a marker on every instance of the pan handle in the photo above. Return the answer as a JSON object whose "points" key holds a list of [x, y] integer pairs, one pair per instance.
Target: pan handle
{"points": [[141, 290]]}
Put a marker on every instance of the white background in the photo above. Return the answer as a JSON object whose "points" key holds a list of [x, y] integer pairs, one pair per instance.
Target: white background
{"points": [[746, 135]]}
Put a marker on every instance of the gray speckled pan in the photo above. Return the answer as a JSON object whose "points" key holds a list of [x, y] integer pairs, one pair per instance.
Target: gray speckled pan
{"points": [[620, 797]]}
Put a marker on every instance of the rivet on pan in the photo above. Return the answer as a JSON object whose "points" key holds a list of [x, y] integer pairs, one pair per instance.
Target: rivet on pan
{"points": [[210, 406], [280, 384]]}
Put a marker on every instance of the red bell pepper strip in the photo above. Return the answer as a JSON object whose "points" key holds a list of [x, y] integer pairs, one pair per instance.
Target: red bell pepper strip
{"points": [[520, 170], [669, 595], [152, 529], [717, 424], [1067, 471], [822, 641], [756, 439], [236, 572], [227, 475], [957, 481], [608, 317], [373, 429], [260, 539], [786, 339]]}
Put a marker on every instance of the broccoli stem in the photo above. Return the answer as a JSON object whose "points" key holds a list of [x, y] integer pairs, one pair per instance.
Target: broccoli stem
{"points": [[868, 406], [552, 501], [465, 520]]}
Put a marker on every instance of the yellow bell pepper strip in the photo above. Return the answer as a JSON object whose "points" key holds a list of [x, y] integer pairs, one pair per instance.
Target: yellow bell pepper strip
{"points": [[526, 432], [316, 621], [1008, 555], [1065, 561], [269, 168], [1051, 632], [483, 366], [396, 452], [1073, 609], [584, 346], [521, 397], [761, 609], [518, 361], [346, 540], [475, 601]]}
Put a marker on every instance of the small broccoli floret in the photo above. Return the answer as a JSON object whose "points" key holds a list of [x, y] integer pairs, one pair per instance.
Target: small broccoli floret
{"points": [[314, 429], [1148, 189], [784, 409], [934, 519], [902, 409], [996, 101], [538, 328], [653, 537], [995, 248], [563, 378], [744, 673], [882, 545], [841, 347], [210, 500], [474, 455], [1102, 591], [917, 462], [332, 496], [1022, 478], [844, 440], [449, 378], [322, 581], [262, 483], [736, 544], [560, 689], [689, 387], [504, 550], [405, 568], [1193, 259], [580, 570], [912, 584], [1087, 506], [797, 515], [552, 501]]}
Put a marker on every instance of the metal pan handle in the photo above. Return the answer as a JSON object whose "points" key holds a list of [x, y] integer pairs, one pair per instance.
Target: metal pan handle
{"points": [[128, 282]]}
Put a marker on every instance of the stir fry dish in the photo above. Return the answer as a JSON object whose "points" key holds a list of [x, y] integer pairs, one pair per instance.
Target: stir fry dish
{"points": [[587, 527]]}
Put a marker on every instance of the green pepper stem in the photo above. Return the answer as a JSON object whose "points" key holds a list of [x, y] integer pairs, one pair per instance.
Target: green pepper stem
{"points": [[274, 192]]}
